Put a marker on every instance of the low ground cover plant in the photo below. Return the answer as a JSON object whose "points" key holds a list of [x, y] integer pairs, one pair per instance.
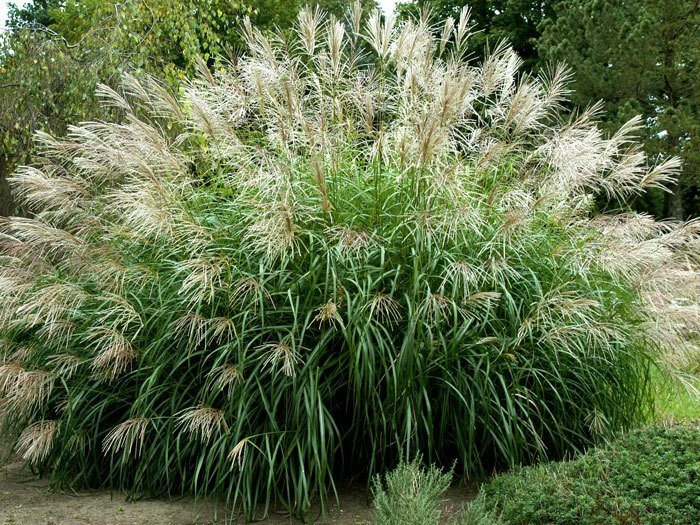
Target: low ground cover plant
{"points": [[353, 244], [649, 476]]}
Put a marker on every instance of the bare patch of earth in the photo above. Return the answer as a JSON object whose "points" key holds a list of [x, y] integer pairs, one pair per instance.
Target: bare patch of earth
{"points": [[26, 500]]}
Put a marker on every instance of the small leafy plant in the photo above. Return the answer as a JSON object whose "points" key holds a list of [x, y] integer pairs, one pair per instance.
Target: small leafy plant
{"points": [[352, 245], [410, 494]]}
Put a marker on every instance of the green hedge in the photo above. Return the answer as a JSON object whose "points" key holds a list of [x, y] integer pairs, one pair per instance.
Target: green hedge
{"points": [[650, 476]]}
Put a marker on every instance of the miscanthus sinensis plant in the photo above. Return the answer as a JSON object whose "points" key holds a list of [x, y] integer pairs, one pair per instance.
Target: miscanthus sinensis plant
{"points": [[352, 244]]}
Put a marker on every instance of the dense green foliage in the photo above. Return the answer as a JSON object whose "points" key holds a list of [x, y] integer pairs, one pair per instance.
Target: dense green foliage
{"points": [[48, 75], [410, 495], [515, 21], [639, 57], [34, 13], [282, 14], [649, 476], [325, 258], [59, 50]]}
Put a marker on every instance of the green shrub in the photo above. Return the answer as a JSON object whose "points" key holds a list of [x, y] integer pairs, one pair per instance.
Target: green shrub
{"points": [[410, 495], [649, 476], [476, 513], [321, 260]]}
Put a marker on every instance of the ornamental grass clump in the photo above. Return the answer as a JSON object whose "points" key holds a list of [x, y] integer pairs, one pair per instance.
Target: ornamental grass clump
{"points": [[351, 245]]}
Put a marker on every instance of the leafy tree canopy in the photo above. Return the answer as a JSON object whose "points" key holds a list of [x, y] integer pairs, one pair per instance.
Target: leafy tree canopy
{"points": [[59, 50], [34, 13], [640, 57], [516, 21]]}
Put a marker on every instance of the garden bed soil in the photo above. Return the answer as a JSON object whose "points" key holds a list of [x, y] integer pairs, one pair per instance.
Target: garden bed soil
{"points": [[26, 500]]}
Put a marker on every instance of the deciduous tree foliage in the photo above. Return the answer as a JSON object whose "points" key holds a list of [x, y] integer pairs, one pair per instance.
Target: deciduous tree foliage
{"points": [[639, 57], [43, 85], [34, 13], [282, 14], [58, 51]]}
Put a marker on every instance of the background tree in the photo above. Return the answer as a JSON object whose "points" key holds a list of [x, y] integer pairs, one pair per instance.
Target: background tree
{"points": [[59, 50], [283, 13], [516, 21], [640, 57], [38, 12], [44, 84]]}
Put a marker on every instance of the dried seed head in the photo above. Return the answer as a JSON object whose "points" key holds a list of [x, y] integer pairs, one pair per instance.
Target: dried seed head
{"points": [[221, 328], [384, 308], [482, 300], [9, 375], [127, 437], [65, 365], [25, 390], [379, 33], [225, 377], [237, 454], [438, 307], [462, 277], [280, 356], [115, 354], [248, 291], [309, 22], [35, 442], [192, 325], [203, 279], [202, 422], [350, 241], [328, 313], [275, 231]]}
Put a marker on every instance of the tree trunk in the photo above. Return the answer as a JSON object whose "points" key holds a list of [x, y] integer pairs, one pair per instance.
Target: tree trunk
{"points": [[7, 207], [673, 202]]}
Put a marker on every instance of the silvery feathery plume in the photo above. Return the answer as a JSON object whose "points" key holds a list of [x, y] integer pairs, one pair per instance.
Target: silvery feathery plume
{"points": [[128, 437], [35, 441], [280, 356], [202, 422]]}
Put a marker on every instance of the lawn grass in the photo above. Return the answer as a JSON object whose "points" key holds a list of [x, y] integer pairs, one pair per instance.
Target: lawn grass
{"points": [[677, 402]]}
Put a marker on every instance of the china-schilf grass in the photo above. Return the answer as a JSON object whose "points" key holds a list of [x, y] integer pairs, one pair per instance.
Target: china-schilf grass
{"points": [[353, 244]]}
